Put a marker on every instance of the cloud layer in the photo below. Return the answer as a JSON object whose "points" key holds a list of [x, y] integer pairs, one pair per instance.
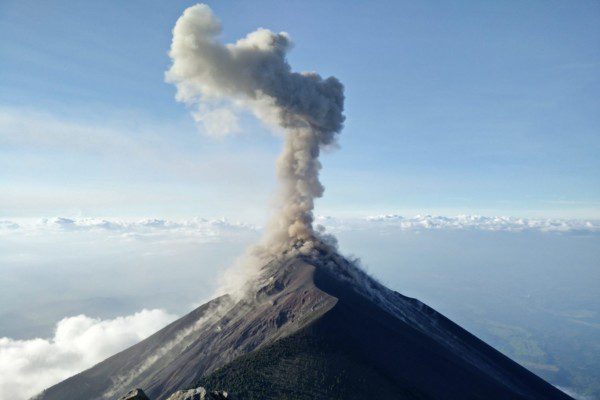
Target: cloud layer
{"points": [[196, 229], [220, 229], [29, 366], [394, 222]]}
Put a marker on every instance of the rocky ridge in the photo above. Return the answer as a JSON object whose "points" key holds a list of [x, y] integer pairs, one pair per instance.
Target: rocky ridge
{"points": [[199, 393]]}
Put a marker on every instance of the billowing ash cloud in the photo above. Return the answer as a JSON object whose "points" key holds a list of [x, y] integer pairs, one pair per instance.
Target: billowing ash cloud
{"points": [[253, 73]]}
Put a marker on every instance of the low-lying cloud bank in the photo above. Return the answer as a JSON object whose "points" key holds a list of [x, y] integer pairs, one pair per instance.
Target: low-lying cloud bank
{"points": [[218, 229], [199, 229], [394, 222], [29, 366]]}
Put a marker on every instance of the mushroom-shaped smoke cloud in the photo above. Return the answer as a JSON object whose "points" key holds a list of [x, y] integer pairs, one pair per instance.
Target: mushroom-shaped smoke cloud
{"points": [[254, 73]]}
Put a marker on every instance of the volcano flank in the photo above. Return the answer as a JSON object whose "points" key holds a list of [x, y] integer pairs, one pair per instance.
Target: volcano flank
{"points": [[315, 327]]}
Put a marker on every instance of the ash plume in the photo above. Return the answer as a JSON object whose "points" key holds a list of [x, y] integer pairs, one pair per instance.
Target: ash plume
{"points": [[253, 73]]}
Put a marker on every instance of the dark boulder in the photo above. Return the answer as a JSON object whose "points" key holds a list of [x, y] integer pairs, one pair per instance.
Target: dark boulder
{"points": [[135, 394]]}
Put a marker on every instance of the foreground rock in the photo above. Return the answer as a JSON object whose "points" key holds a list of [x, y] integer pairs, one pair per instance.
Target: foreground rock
{"points": [[135, 394], [199, 394], [192, 394]]}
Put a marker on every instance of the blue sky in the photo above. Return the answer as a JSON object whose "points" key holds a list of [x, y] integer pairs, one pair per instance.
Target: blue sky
{"points": [[467, 107]]}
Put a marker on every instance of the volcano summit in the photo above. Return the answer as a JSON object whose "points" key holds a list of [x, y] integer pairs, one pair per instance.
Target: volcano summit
{"points": [[315, 327], [304, 322]]}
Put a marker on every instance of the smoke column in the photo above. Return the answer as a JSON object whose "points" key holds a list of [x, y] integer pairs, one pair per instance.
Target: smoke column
{"points": [[253, 73]]}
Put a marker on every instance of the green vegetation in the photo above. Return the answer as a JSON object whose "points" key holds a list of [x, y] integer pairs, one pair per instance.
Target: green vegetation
{"points": [[573, 363]]}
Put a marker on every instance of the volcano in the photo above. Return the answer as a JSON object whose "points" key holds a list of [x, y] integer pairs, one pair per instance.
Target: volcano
{"points": [[312, 327], [308, 324]]}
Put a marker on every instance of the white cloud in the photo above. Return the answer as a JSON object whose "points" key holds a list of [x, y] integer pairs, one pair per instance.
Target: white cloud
{"points": [[391, 222], [29, 366], [221, 229], [196, 229]]}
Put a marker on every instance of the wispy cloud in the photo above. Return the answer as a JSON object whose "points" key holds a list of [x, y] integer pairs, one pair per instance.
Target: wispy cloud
{"points": [[172, 146], [54, 162], [35, 129]]}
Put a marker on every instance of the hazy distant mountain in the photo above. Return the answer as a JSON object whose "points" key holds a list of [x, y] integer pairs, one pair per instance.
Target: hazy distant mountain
{"points": [[316, 327]]}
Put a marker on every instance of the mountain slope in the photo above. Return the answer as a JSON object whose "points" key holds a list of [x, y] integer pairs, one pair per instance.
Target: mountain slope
{"points": [[357, 350], [315, 327]]}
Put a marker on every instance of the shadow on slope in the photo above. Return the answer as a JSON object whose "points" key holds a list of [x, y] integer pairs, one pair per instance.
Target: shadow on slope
{"points": [[359, 350]]}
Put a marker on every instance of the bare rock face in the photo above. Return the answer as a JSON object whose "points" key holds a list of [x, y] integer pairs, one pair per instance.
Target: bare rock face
{"points": [[135, 394], [315, 327], [199, 394]]}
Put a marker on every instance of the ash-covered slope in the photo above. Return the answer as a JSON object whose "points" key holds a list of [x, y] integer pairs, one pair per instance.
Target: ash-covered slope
{"points": [[377, 344], [315, 327]]}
